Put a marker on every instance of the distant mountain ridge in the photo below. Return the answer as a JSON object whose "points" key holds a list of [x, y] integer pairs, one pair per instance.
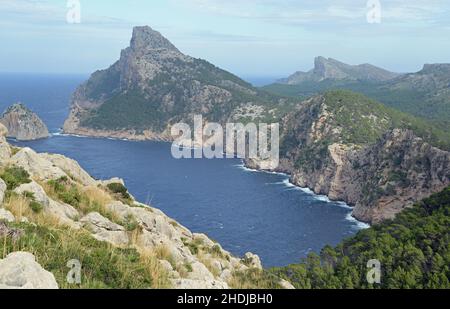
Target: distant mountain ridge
{"points": [[331, 69], [425, 94]]}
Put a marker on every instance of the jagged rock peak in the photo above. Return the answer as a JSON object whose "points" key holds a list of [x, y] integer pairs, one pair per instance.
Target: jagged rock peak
{"points": [[320, 61], [18, 107], [145, 38]]}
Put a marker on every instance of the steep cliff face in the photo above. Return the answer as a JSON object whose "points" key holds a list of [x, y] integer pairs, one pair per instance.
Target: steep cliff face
{"points": [[154, 85], [382, 179], [352, 149], [23, 124]]}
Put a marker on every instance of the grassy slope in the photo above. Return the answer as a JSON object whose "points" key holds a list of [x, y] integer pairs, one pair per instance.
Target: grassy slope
{"points": [[414, 251], [103, 266], [364, 120]]}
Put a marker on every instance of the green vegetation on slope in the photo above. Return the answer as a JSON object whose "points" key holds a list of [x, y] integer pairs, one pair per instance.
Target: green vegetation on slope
{"points": [[361, 121], [127, 111], [14, 177], [421, 98], [173, 94], [364, 120], [414, 251], [351, 118], [310, 88]]}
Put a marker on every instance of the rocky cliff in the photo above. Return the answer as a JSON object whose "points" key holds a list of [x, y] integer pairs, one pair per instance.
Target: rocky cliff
{"points": [[154, 85], [355, 150], [50, 206], [23, 124]]}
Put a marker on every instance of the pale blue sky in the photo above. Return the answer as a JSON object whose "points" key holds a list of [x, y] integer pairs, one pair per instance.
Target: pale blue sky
{"points": [[247, 37]]}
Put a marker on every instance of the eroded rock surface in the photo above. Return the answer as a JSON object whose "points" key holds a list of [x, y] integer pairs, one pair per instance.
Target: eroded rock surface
{"points": [[23, 124], [20, 270]]}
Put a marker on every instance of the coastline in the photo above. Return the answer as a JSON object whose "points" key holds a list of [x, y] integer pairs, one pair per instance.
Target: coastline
{"points": [[324, 198], [244, 165]]}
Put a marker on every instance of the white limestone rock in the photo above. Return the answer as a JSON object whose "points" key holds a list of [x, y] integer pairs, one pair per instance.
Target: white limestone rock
{"points": [[20, 270], [7, 216], [104, 230]]}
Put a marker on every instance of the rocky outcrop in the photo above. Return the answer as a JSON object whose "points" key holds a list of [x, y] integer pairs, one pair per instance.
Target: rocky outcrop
{"points": [[65, 213], [252, 260], [6, 215], [19, 270], [105, 230], [70, 167], [38, 165], [5, 149], [187, 284], [2, 191], [23, 124]]}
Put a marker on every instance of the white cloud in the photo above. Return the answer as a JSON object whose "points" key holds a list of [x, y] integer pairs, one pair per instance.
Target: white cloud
{"points": [[44, 12], [308, 11]]}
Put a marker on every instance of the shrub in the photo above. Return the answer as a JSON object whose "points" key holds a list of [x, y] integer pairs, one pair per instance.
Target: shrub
{"points": [[28, 195], [15, 176], [71, 196], [57, 185], [216, 251], [130, 223], [120, 189], [36, 207], [189, 267]]}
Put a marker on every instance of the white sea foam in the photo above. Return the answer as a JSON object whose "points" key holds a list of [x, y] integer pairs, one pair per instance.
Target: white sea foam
{"points": [[322, 198], [174, 145], [71, 135], [344, 205], [246, 169], [360, 225]]}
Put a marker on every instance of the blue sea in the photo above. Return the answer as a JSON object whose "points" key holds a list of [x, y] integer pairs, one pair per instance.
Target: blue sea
{"points": [[243, 210]]}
